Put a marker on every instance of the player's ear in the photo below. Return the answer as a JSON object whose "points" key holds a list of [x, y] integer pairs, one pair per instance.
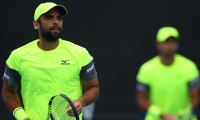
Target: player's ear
{"points": [[36, 24], [157, 45]]}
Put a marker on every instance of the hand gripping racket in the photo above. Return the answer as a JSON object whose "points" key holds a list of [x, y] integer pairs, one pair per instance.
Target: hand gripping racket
{"points": [[61, 108]]}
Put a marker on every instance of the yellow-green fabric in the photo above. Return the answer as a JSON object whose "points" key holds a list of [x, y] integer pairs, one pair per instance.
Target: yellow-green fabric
{"points": [[20, 114], [168, 84], [44, 74], [165, 32], [45, 7]]}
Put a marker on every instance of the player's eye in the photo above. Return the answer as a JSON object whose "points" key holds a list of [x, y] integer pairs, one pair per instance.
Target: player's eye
{"points": [[59, 17], [48, 17]]}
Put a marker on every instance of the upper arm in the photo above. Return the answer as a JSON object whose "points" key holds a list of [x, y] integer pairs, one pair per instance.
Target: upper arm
{"points": [[142, 86], [193, 87], [88, 76], [91, 83], [141, 95], [193, 76], [88, 72], [143, 99], [11, 80], [194, 93], [142, 91], [194, 84], [11, 76], [143, 79], [193, 81], [8, 89], [144, 75]]}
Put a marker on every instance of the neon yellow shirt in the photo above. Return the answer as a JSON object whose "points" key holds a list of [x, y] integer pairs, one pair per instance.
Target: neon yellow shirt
{"points": [[47, 73], [168, 84]]}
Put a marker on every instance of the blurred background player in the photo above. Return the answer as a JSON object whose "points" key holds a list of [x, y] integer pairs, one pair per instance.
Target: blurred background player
{"points": [[168, 84]]}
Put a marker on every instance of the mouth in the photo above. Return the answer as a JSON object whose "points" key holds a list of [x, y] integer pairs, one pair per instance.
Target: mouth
{"points": [[55, 28]]}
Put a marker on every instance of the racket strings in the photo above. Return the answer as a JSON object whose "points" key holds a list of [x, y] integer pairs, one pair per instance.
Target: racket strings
{"points": [[59, 110]]}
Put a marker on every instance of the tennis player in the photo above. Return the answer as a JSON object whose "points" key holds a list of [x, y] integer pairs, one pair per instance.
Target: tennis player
{"points": [[168, 84], [48, 66]]}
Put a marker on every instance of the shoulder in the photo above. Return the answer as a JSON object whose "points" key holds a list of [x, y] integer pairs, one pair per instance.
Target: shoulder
{"points": [[186, 62], [188, 67], [24, 49], [146, 69], [78, 52], [18, 54], [150, 64], [72, 47]]}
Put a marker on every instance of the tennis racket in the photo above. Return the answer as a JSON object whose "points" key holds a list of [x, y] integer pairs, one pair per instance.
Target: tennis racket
{"points": [[61, 108], [185, 113]]}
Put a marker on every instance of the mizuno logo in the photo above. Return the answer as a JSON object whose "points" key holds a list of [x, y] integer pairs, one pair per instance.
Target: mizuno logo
{"points": [[65, 62]]}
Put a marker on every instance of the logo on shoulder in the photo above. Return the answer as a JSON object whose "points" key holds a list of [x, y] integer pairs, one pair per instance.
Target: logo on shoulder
{"points": [[90, 69], [65, 62], [6, 76]]}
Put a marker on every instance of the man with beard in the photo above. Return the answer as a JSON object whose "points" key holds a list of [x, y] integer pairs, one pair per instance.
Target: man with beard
{"points": [[168, 84], [48, 66]]}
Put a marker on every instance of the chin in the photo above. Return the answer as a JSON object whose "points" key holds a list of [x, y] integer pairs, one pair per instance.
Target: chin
{"points": [[170, 54]]}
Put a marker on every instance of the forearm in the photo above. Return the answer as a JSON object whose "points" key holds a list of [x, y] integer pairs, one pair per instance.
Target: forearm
{"points": [[143, 100], [89, 96], [11, 100], [194, 94], [144, 104], [194, 103]]}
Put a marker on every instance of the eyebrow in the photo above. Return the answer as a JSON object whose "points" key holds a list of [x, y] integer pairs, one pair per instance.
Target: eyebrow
{"points": [[49, 15]]}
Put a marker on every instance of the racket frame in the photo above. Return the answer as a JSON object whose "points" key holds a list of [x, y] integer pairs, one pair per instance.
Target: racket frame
{"points": [[68, 100]]}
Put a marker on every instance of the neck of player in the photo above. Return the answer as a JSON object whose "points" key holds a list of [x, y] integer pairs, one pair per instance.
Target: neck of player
{"points": [[46, 45], [167, 60]]}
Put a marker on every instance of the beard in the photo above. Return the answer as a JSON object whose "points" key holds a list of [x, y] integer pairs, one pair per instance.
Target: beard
{"points": [[168, 53], [48, 36]]}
